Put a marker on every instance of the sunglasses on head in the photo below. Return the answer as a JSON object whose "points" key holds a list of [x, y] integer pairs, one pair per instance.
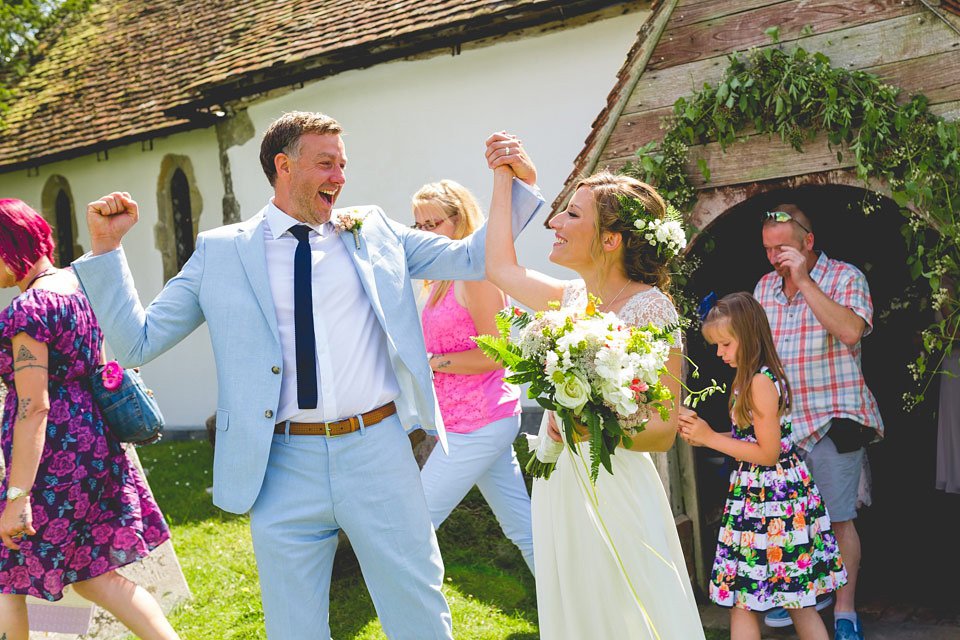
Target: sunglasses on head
{"points": [[783, 216]]}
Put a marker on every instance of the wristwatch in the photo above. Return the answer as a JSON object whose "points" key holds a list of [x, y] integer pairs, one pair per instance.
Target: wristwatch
{"points": [[14, 493]]}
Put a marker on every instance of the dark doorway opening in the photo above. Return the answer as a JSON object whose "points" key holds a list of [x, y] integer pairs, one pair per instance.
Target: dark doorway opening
{"points": [[182, 217], [907, 531], [64, 215]]}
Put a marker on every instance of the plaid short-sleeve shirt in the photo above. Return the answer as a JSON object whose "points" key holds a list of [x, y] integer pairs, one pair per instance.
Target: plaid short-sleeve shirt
{"points": [[825, 377]]}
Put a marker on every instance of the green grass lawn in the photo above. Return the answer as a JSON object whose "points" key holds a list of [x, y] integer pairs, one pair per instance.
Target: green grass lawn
{"points": [[490, 591]]}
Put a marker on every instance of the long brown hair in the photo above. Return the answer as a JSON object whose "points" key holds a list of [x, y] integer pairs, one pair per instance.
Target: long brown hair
{"points": [[740, 315], [641, 260], [457, 202]]}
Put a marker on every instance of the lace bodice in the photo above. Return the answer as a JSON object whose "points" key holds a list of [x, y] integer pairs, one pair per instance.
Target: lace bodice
{"points": [[641, 309]]}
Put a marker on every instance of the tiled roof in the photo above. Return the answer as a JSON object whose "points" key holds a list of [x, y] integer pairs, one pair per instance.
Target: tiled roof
{"points": [[135, 69]]}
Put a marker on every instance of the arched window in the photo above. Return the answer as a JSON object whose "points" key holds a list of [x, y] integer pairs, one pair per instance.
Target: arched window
{"points": [[56, 205], [182, 217], [179, 206], [63, 209]]}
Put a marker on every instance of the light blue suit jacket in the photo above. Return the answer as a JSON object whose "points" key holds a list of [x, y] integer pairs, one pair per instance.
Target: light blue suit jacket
{"points": [[225, 284]]}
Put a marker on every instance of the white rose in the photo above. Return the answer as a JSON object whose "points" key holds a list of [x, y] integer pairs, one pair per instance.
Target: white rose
{"points": [[573, 393], [622, 399]]}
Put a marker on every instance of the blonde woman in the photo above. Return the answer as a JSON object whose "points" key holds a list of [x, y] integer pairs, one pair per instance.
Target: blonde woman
{"points": [[480, 411]]}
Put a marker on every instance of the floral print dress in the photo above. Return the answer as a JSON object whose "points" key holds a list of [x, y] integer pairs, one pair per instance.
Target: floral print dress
{"points": [[92, 510], [776, 547]]}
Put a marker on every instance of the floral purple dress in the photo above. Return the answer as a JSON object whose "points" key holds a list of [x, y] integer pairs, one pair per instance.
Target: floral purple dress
{"points": [[91, 508]]}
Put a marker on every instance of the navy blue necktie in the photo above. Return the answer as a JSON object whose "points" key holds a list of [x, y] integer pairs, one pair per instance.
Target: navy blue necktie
{"points": [[305, 338]]}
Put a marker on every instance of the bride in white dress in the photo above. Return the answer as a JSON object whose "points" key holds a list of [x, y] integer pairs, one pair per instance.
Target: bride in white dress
{"points": [[607, 556]]}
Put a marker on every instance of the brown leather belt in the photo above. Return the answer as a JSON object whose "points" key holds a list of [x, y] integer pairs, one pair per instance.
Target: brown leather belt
{"points": [[340, 427]]}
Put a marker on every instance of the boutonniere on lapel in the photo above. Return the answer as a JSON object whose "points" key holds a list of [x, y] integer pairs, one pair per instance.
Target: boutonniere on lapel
{"points": [[350, 221]]}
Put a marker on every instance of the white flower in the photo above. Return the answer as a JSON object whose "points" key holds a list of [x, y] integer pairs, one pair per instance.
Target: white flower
{"points": [[622, 399], [551, 363], [611, 363], [573, 393]]}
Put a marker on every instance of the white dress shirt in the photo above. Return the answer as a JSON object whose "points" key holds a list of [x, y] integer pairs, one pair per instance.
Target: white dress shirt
{"points": [[353, 367]]}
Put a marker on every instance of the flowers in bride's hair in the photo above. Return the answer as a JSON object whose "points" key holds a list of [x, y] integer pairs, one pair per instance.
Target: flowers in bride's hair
{"points": [[666, 234], [352, 221]]}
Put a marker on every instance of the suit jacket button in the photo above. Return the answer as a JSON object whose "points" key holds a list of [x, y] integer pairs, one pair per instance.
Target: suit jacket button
{"points": [[268, 413], [275, 369]]}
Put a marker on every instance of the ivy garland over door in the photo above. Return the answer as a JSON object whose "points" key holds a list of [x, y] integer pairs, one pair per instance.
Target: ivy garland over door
{"points": [[911, 153]]}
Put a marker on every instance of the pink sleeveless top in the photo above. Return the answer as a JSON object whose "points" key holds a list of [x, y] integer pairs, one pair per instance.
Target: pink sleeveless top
{"points": [[467, 401]]}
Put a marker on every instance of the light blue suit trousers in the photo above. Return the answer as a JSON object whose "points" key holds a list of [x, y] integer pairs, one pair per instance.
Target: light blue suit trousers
{"points": [[302, 489]]}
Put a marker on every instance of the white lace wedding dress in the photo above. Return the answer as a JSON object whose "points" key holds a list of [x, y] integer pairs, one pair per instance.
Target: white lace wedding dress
{"points": [[608, 562]]}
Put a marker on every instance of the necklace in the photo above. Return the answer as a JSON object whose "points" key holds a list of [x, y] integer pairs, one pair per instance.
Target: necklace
{"points": [[45, 272], [617, 297]]}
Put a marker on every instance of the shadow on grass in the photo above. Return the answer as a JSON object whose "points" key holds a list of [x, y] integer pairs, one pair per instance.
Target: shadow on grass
{"points": [[179, 474], [482, 568], [351, 608]]}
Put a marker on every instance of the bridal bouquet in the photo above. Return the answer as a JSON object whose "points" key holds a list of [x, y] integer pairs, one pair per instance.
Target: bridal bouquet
{"points": [[600, 376]]}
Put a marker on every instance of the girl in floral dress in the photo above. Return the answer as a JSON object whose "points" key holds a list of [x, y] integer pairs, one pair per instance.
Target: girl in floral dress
{"points": [[74, 508], [776, 547]]}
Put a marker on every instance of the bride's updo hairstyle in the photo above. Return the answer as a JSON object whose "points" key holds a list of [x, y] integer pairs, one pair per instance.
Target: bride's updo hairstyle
{"points": [[641, 259]]}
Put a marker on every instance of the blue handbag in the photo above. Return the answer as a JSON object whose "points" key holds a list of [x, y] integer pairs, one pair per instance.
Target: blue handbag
{"points": [[128, 407]]}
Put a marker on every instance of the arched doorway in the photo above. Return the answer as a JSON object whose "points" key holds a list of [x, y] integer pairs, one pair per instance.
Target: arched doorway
{"points": [[59, 212], [905, 504], [179, 207]]}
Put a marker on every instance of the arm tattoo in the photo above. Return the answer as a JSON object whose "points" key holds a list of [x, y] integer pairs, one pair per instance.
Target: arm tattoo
{"points": [[443, 364], [23, 354], [28, 366], [24, 404]]}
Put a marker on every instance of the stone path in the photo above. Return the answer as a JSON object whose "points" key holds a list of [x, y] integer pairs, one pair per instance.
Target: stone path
{"points": [[881, 621]]}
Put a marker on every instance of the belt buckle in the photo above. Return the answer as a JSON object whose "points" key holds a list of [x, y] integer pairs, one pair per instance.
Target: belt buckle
{"points": [[326, 429]]}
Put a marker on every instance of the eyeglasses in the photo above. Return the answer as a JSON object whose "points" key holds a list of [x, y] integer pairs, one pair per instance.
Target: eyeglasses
{"points": [[430, 225], [783, 216]]}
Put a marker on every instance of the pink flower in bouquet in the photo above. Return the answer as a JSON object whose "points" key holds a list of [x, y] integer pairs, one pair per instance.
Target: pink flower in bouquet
{"points": [[638, 386]]}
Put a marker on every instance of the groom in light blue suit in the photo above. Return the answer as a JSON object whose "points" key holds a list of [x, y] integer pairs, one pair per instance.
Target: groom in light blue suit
{"points": [[306, 468]]}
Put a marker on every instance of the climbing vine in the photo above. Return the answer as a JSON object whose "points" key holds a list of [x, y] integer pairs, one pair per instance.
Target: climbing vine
{"points": [[897, 144]]}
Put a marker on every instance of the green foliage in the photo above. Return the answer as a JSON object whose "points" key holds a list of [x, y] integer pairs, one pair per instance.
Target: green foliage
{"points": [[23, 24], [488, 586], [902, 147]]}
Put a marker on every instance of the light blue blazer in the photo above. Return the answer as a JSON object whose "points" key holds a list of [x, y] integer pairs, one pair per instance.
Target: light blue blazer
{"points": [[225, 284]]}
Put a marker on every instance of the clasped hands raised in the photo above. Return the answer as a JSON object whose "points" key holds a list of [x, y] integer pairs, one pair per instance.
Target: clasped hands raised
{"points": [[506, 150]]}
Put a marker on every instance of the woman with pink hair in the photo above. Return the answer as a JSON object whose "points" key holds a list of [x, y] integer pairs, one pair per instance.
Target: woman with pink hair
{"points": [[74, 508]]}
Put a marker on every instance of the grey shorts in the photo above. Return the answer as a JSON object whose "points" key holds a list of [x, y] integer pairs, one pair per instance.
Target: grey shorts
{"points": [[837, 476]]}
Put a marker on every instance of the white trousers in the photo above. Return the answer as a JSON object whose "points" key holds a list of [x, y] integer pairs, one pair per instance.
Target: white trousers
{"points": [[485, 458]]}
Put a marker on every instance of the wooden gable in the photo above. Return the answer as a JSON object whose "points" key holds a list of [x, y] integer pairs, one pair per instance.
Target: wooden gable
{"points": [[911, 46]]}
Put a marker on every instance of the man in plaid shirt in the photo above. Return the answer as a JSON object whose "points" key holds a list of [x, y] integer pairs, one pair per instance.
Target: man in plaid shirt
{"points": [[819, 309]]}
